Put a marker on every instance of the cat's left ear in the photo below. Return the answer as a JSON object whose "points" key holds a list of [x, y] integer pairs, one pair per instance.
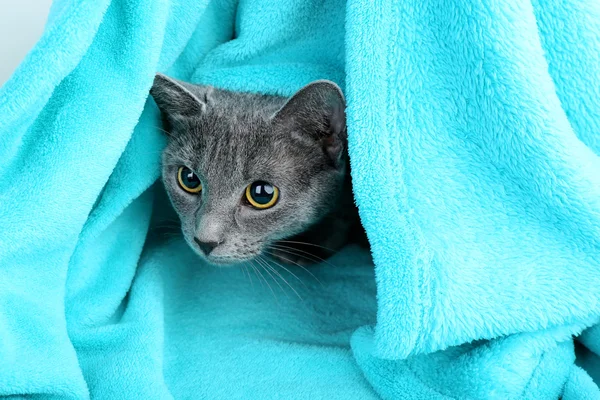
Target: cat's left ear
{"points": [[317, 112], [178, 100]]}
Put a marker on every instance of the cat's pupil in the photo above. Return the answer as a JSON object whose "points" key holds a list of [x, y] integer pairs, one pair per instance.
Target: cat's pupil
{"points": [[189, 178], [262, 192]]}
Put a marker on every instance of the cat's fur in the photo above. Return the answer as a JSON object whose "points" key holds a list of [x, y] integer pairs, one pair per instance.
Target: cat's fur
{"points": [[232, 139]]}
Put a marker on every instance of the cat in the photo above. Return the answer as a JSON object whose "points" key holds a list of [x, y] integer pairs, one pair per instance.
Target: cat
{"points": [[251, 174]]}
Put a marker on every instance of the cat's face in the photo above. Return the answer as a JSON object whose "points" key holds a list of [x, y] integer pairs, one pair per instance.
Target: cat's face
{"points": [[245, 170]]}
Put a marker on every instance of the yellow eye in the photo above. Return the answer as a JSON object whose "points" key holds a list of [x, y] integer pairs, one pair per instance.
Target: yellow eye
{"points": [[262, 195], [188, 180]]}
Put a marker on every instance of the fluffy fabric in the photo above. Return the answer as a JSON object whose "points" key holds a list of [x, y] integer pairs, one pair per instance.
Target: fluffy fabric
{"points": [[473, 129]]}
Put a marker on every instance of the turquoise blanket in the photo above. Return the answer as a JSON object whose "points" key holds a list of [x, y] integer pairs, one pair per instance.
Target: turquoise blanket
{"points": [[474, 131]]}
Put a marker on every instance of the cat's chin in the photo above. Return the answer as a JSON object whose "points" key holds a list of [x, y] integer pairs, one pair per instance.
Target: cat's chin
{"points": [[226, 262]]}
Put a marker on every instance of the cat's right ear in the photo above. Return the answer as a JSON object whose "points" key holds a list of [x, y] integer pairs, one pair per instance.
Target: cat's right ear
{"points": [[176, 101], [317, 113]]}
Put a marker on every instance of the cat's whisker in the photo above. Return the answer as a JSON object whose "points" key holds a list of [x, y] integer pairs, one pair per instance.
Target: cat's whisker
{"points": [[300, 253], [165, 226], [261, 263], [260, 274], [170, 221], [256, 274], [266, 263], [154, 127], [172, 236], [287, 282], [295, 263], [168, 240], [249, 276], [268, 284], [165, 234], [243, 270], [165, 231], [307, 244], [287, 269]]}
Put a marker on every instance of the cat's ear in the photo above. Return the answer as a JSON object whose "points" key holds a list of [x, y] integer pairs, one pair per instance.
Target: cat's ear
{"points": [[178, 100], [317, 112]]}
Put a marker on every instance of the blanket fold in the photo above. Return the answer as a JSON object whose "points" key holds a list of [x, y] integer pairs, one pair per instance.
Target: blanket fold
{"points": [[473, 138]]}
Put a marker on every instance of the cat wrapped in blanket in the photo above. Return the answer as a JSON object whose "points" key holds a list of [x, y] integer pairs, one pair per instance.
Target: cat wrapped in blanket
{"points": [[252, 174]]}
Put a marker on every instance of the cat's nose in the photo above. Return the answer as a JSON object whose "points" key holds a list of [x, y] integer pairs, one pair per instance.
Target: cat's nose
{"points": [[206, 247]]}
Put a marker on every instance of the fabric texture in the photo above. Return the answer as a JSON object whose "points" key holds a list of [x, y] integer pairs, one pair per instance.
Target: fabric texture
{"points": [[474, 143]]}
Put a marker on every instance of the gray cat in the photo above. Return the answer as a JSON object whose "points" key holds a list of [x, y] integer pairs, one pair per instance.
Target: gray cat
{"points": [[252, 174]]}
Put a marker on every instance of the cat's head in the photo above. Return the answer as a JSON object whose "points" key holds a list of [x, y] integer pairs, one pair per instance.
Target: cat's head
{"points": [[245, 170]]}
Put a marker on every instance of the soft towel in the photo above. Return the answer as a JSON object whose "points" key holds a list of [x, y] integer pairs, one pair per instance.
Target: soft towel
{"points": [[473, 133]]}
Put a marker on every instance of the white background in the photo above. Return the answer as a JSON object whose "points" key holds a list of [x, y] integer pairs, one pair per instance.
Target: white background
{"points": [[21, 25]]}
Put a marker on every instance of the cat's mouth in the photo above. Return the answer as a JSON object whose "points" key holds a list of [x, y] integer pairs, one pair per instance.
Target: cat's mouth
{"points": [[220, 258], [226, 261], [225, 254]]}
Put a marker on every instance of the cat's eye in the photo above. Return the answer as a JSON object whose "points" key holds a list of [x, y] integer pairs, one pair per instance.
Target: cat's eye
{"points": [[262, 195], [188, 180]]}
